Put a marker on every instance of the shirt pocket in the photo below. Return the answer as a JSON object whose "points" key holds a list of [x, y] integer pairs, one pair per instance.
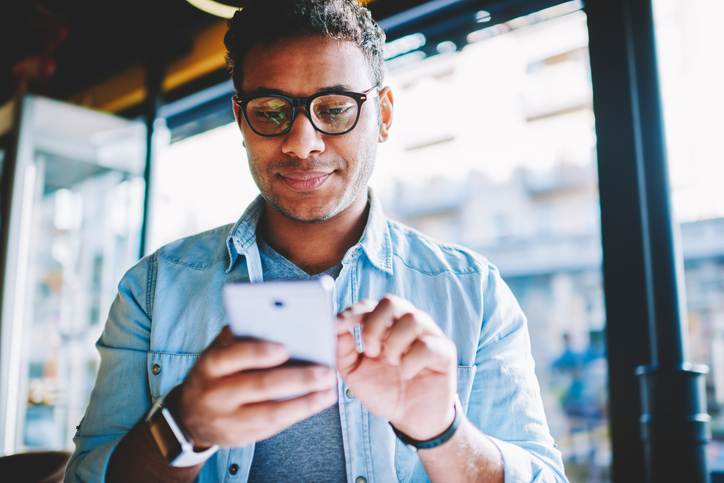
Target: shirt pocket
{"points": [[407, 464], [167, 370]]}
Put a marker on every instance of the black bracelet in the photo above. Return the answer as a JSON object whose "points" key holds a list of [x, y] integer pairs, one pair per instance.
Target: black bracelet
{"points": [[434, 442]]}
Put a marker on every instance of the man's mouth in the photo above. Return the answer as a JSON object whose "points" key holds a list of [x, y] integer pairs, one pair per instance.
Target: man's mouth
{"points": [[305, 180]]}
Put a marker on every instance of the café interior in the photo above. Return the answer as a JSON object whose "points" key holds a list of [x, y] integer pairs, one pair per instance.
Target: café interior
{"points": [[589, 176]]}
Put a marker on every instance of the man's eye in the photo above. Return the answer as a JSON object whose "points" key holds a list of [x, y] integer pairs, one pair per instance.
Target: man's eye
{"points": [[276, 117], [331, 112]]}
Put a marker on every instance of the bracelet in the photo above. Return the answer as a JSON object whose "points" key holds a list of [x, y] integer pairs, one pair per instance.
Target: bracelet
{"points": [[434, 442]]}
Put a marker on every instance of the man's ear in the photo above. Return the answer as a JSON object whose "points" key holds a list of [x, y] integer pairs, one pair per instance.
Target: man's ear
{"points": [[386, 111]]}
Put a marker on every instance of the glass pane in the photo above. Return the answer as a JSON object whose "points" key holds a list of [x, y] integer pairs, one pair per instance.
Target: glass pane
{"points": [[80, 173], [493, 147], [689, 42]]}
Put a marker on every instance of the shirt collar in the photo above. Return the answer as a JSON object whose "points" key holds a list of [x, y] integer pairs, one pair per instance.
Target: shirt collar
{"points": [[375, 242], [243, 233]]}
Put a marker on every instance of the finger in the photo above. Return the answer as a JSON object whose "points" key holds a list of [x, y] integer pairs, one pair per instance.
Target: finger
{"points": [[347, 355], [431, 352], [234, 356], [376, 325], [361, 307], [401, 305], [404, 306], [354, 315], [260, 421], [401, 336], [345, 324], [224, 338], [267, 385], [273, 417]]}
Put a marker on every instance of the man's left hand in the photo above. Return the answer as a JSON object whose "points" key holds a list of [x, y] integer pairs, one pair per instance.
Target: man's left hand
{"points": [[407, 370]]}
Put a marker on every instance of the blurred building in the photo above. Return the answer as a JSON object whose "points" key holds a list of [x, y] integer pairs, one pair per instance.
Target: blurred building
{"points": [[495, 150]]}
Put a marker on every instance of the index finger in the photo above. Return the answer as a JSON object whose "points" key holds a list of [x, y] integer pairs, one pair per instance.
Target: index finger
{"points": [[227, 355], [354, 315]]}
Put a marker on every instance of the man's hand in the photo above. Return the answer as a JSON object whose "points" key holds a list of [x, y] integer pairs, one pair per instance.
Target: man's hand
{"points": [[235, 394], [407, 372]]}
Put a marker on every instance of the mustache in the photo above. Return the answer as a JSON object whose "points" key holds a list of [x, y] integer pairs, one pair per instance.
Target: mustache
{"points": [[304, 165]]}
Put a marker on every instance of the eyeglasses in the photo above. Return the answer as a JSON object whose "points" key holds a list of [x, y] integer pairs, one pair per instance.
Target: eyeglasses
{"points": [[329, 112]]}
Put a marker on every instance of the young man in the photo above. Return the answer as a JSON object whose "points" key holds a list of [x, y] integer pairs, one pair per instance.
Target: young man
{"points": [[445, 388]]}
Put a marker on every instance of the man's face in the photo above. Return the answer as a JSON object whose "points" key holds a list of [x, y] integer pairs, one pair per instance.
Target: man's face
{"points": [[306, 175]]}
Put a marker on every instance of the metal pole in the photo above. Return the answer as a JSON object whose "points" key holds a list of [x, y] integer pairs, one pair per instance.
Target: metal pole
{"points": [[155, 69], [673, 424], [674, 421]]}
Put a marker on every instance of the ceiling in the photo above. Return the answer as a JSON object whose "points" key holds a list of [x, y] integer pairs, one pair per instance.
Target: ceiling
{"points": [[90, 40], [84, 42]]}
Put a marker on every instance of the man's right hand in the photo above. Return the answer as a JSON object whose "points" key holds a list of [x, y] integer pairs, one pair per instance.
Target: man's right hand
{"points": [[236, 394]]}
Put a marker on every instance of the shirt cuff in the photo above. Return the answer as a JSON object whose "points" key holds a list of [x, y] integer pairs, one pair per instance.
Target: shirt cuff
{"points": [[519, 465]]}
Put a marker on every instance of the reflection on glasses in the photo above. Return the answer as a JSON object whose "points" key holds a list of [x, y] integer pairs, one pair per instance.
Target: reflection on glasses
{"points": [[329, 112]]}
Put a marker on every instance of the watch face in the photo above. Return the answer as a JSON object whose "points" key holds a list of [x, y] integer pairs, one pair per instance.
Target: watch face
{"points": [[163, 436]]}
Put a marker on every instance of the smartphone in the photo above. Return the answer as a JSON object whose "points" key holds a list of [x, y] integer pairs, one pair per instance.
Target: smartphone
{"points": [[296, 313]]}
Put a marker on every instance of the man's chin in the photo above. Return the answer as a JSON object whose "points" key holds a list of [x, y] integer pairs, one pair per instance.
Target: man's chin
{"points": [[302, 214]]}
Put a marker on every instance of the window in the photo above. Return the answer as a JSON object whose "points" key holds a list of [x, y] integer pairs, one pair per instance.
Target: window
{"points": [[517, 173]]}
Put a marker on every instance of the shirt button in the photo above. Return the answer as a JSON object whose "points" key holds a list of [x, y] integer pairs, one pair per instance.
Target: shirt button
{"points": [[361, 479], [156, 369], [234, 469], [351, 396]]}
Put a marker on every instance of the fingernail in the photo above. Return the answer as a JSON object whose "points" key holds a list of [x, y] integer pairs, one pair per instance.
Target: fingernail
{"points": [[276, 350]]}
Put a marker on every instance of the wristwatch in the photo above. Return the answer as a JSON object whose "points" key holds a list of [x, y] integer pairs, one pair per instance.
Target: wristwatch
{"points": [[171, 438]]}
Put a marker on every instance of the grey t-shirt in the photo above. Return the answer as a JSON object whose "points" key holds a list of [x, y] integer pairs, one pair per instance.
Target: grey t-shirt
{"points": [[311, 450]]}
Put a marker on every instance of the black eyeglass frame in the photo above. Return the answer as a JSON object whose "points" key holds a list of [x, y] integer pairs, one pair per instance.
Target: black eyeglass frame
{"points": [[359, 97]]}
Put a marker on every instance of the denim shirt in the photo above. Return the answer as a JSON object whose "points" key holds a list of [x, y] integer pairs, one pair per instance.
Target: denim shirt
{"points": [[169, 309]]}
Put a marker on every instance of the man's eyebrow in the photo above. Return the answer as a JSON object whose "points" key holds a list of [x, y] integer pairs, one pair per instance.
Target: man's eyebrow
{"points": [[266, 90], [337, 87]]}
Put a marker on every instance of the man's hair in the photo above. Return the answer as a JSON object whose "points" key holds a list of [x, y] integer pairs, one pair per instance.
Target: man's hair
{"points": [[267, 21]]}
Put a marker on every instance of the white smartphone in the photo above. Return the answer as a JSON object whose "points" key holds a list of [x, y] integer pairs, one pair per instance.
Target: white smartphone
{"points": [[296, 313]]}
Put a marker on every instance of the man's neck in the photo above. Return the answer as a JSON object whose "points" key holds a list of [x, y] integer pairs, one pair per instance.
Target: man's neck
{"points": [[314, 247]]}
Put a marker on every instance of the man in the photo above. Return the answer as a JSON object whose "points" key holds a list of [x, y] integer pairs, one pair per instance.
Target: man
{"points": [[446, 365]]}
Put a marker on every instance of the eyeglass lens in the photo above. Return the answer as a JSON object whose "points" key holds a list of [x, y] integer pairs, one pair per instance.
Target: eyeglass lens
{"points": [[334, 113]]}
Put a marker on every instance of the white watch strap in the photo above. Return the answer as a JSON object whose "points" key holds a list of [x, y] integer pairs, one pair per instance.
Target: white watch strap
{"points": [[188, 456]]}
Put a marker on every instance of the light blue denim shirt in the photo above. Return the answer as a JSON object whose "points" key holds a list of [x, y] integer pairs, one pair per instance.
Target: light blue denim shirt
{"points": [[169, 309]]}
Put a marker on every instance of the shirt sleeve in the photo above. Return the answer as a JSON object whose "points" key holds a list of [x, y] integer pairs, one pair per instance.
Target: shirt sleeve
{"points": [[121, 394], [505, 402]]}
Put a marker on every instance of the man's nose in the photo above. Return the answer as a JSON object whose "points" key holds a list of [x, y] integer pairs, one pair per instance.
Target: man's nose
{"points": [[302, 140]]}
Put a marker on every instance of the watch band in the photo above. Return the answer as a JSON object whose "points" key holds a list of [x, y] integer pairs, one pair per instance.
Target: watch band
{"points": [[436, 441], [172, 441]]}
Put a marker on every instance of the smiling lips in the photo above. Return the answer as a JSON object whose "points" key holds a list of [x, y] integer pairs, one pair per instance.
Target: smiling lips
{"points": [[305, 180]]}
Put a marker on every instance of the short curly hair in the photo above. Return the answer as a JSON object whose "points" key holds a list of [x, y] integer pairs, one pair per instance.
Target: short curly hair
{"points": [[266, 21]]}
